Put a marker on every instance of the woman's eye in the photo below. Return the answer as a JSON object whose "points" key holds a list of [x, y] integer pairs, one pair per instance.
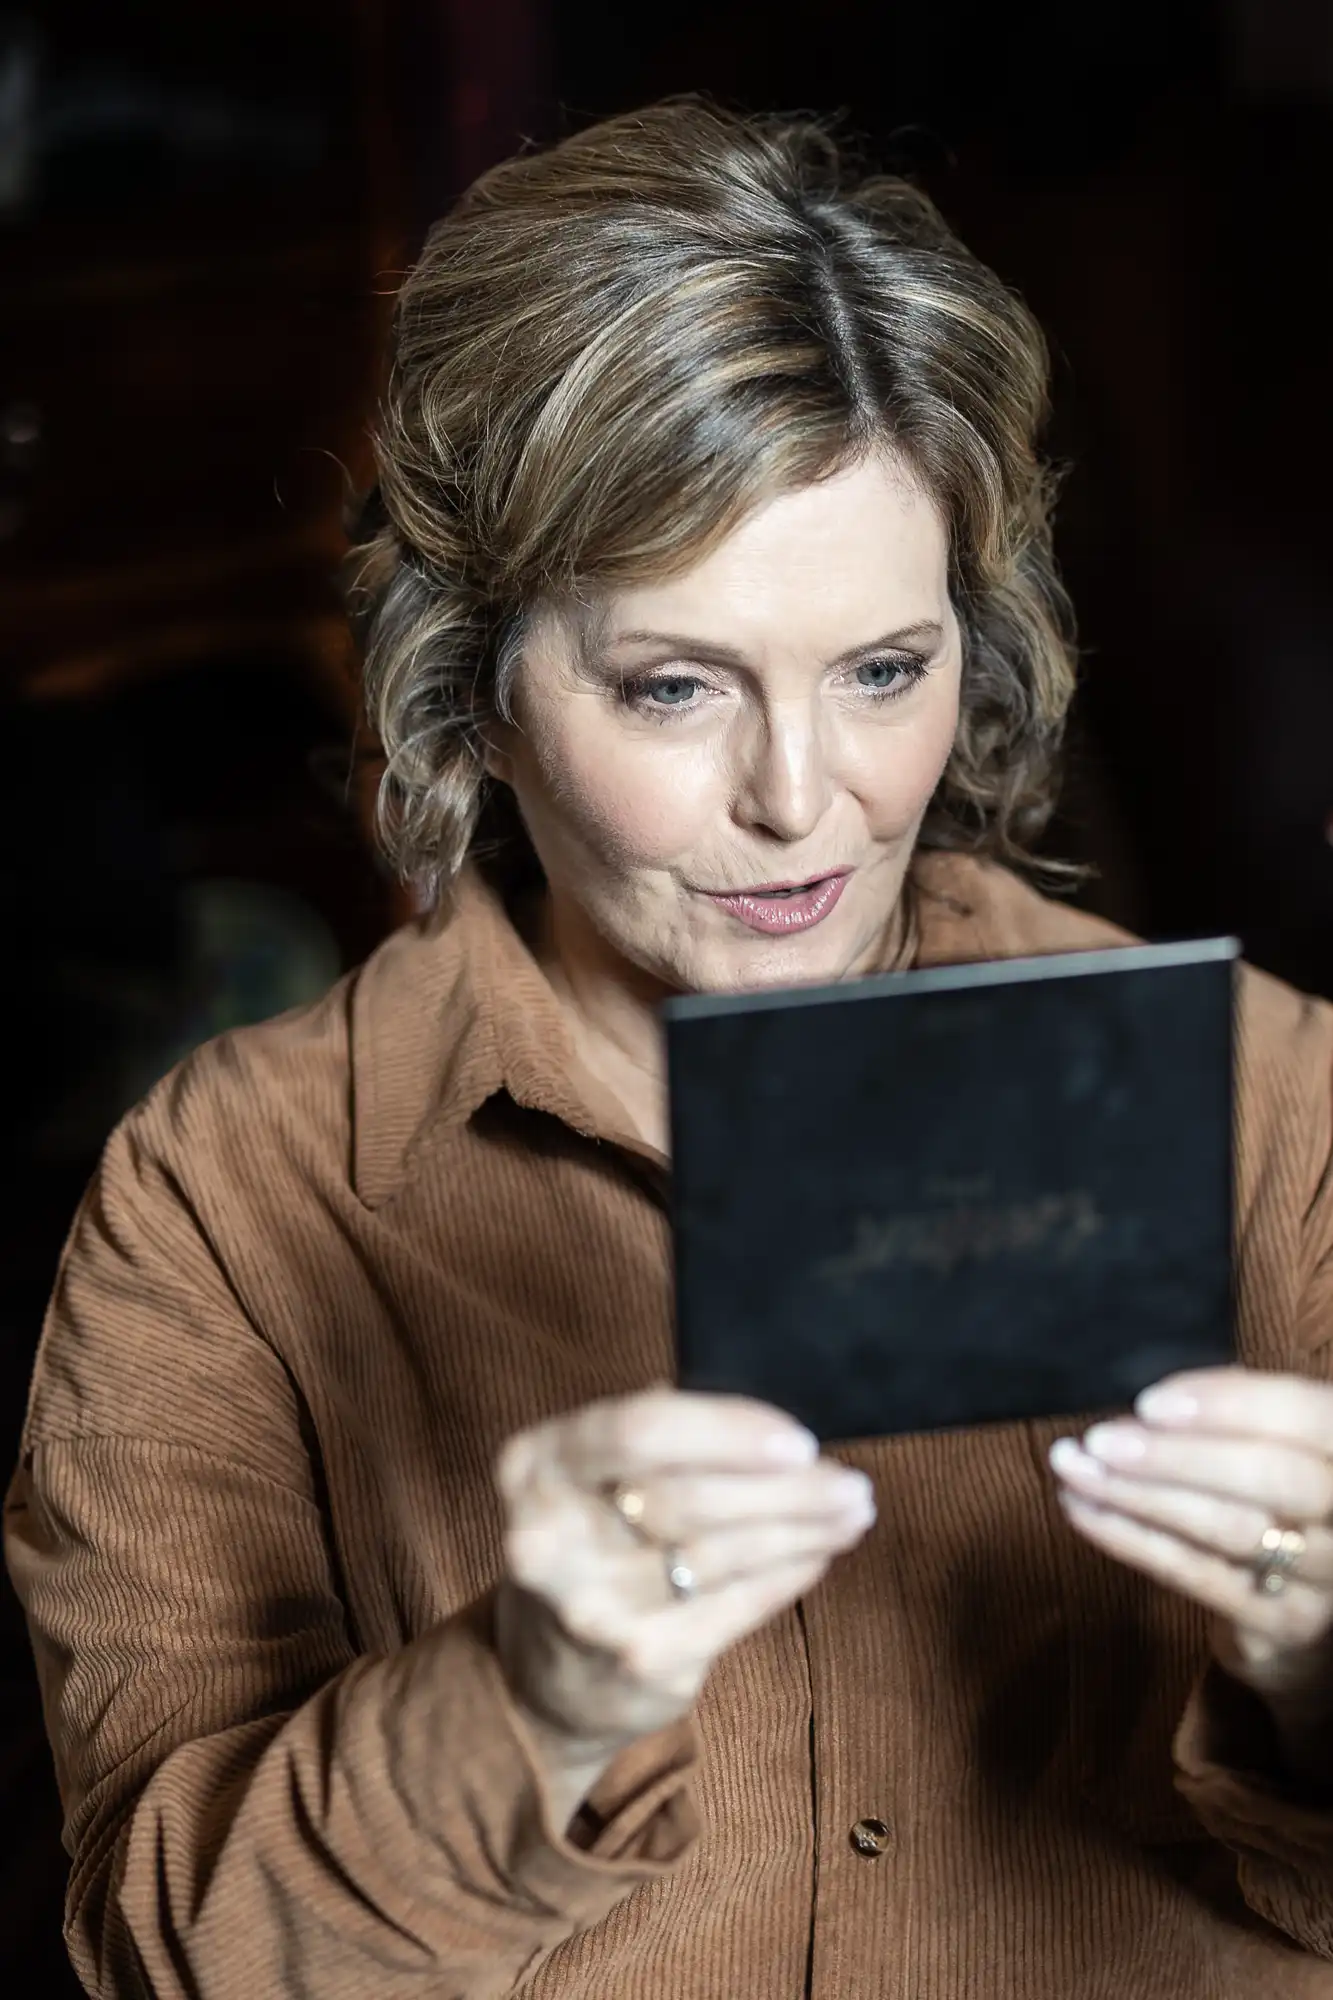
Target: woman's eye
{"points": [[890, 676], [660, 696], [675, 692]]}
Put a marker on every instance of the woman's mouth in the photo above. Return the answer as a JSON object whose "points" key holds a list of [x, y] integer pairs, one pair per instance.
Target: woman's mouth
{"points": [[779, 908]]}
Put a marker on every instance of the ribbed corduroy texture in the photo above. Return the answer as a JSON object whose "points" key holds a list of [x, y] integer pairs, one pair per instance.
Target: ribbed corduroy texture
{"points": [[325, 1270]]}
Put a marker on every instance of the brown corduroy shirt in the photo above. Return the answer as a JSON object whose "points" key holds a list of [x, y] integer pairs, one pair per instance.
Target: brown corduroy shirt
{"points": [[326, 1268]]}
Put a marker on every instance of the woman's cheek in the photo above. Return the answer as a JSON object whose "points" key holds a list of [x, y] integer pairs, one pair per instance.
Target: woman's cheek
{"points": [[937, 751], [649, 808], [895, 774], [928, 752]]}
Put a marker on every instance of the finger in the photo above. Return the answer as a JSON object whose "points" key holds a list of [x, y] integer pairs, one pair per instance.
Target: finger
{"points": [[696, 1630], [1243, 1402], [731, 1555], [551, 1548], [1284, 1478], [679, 1506], [572, 1550], [1232, 1528], [1295, 1617], [672, 1429], [514, 1463], [601, 1583], [609, 1600]]}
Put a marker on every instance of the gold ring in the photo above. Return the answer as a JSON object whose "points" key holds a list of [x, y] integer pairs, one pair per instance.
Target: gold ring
{"points": [[629, 1503], [1280, 1549]]}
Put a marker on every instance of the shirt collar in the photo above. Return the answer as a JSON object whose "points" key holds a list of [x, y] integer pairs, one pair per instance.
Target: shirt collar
{"points": [[454, 1008], [448, 1012]]}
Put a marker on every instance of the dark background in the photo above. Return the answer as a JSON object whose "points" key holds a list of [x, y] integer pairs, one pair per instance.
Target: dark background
{"points": [[203, 211]]}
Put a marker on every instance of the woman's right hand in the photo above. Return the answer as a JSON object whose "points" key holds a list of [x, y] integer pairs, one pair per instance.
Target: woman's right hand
{"points": [[593, 1642]]}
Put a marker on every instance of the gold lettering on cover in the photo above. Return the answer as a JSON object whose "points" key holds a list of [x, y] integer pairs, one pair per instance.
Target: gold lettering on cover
{"points": [[942, 1239]]}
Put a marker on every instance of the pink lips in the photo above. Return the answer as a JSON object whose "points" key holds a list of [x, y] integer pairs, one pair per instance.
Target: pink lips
{"points": [[763, 909]]}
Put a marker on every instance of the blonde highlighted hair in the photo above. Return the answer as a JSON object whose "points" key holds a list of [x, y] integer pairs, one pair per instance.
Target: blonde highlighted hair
{"points": [[609, 353]]}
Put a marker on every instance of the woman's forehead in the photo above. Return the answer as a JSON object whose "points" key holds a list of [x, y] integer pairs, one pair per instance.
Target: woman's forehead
{"points": [[866, 544]]}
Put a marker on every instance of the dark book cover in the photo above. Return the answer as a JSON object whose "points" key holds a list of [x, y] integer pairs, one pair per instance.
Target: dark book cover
{"points": [[965, 1195]]}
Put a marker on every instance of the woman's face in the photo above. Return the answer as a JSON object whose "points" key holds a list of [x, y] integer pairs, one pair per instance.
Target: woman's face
{"points": [[775, 719]]}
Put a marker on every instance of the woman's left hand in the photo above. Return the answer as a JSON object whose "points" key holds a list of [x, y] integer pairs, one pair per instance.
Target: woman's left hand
{"points": [[1186, 1491]]}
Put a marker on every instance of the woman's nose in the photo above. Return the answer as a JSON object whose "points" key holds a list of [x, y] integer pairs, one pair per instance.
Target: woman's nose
{"points": [[788, 785]]}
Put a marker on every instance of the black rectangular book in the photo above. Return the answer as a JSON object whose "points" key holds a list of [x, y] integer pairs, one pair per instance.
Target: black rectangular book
{"points": [[965, 1195]]}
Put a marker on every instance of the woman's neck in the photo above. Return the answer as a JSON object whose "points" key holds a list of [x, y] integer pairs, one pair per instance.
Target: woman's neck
{"points": [[610, 1007]]}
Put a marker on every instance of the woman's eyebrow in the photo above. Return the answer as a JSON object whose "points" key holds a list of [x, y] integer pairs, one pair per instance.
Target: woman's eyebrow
{"points": [[925, 631]]}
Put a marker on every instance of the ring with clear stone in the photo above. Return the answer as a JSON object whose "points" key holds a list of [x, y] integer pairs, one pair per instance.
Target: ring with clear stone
{"points": [[1280, 1549], [681, 1580]]}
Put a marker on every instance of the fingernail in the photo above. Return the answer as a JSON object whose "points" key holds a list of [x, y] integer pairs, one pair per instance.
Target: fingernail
{"points": [[1167, 1406], [1117, 1446], [1066, 1455], [793, 1447]]}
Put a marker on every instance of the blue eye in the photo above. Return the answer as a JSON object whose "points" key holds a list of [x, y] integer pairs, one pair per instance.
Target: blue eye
{"points": [[890, 676], [672, 693], [659, 696]]}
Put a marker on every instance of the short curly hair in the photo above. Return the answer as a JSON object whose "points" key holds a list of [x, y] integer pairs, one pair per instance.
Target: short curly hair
{"points": [[609, 353]]}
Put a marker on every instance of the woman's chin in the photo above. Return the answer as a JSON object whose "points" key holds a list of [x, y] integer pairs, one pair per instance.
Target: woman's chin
{"points": [[767, 964]]}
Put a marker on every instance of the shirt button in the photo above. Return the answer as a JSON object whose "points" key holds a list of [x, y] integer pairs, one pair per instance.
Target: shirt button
{"points": [[870, 1837]]}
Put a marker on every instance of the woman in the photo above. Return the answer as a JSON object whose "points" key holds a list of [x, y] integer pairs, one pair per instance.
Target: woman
{"points": [[401, 1633]]}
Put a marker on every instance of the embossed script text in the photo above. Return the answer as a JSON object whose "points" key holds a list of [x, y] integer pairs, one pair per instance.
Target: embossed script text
{"points": [[1056, 1224]]}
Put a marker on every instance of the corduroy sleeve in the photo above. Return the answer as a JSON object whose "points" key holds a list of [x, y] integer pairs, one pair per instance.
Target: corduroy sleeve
{"points": [[251, 1808], [1226, 1749]]}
